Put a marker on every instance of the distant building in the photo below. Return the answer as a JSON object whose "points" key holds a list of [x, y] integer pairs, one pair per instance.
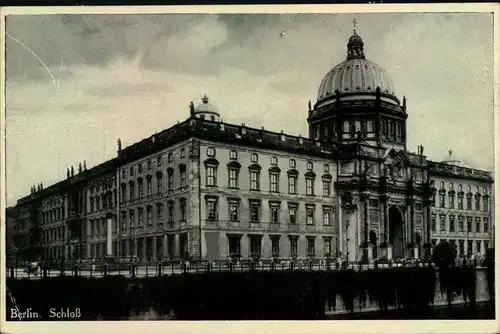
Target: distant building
{"points": [[205, 189], [463, 206], [11, 236]]}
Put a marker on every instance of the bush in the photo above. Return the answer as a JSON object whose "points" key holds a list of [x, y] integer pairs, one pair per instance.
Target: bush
{"points": [[444, 254]]}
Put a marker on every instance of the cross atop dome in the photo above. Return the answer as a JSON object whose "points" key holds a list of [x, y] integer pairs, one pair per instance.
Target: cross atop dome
{"points": [[355, 45], [204, 99]]}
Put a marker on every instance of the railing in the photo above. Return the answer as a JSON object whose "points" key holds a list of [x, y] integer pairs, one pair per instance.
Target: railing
{"points": [[100, 269]]}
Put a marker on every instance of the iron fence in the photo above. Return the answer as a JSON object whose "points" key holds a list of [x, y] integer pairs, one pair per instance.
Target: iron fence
{"points": [[100, 269]]}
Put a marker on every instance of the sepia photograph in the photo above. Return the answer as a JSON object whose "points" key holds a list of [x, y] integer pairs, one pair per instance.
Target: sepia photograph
{"points": [[249, 165]]}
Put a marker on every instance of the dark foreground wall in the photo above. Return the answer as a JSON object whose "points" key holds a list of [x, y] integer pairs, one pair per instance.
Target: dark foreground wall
{"points": [[293, 295]]}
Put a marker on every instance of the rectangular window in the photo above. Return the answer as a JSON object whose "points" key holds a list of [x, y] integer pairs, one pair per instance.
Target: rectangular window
{"points": [[150, 186], [275, 246], [233, 178], [433, 223], [211, 152], [293, 246], [451, 201], [469, 247], [255, 211], [460, 247], [292, 209], [486, 226], [451, 220], [170, 177], [131, 171], [170, 157], [211, 176], [326, 168], [273, 182], [469, 224], [123, 219], [150, 215], [292, 163], [182, 170], [254, 157], [327, 213], [170, 211], [158, 161], [469, 202], [159, 182], [183, 152], [485, 204], [255, 246], [211, 209], [369, 126], [311, 249], [478, 225], [478, 203], [292, 184], [233, 155], [441, 199], [139, 168], [254, 180], [140, 187], [326, 187], [460, 224], [327, 245], [442, 227], [149, 165], [182, 205], [234, 246], [309, 165], [310, 215], [140, 212], [159, 213], [234, 210], [274, 213], [460, 201], [274, 161], [131, 218], [309, 186]]}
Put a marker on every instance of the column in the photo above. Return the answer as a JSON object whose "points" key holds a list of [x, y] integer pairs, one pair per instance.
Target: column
{"points": [[143, 250], [177, 250], [135, 250], [165, 246], [109, 237]]}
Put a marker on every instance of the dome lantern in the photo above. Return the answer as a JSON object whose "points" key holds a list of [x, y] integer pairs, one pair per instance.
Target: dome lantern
{"points": [[206, 110]]}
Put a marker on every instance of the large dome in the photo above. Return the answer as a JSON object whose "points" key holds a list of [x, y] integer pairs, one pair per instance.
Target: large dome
{"points": [[356, 78]]}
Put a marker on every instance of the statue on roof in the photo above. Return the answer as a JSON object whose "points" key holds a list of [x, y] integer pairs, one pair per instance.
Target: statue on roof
{"points": [[310, 105], [72, 171], [84, 165], [404, 101], [80, 169], [191, 108], [67, 173], [119, 142]]}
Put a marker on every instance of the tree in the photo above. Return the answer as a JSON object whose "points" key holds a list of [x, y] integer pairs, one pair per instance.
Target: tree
{"points": [[444, 254]]}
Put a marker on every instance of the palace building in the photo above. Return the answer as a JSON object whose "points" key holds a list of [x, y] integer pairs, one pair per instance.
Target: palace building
{"points": [[207, 190]]}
